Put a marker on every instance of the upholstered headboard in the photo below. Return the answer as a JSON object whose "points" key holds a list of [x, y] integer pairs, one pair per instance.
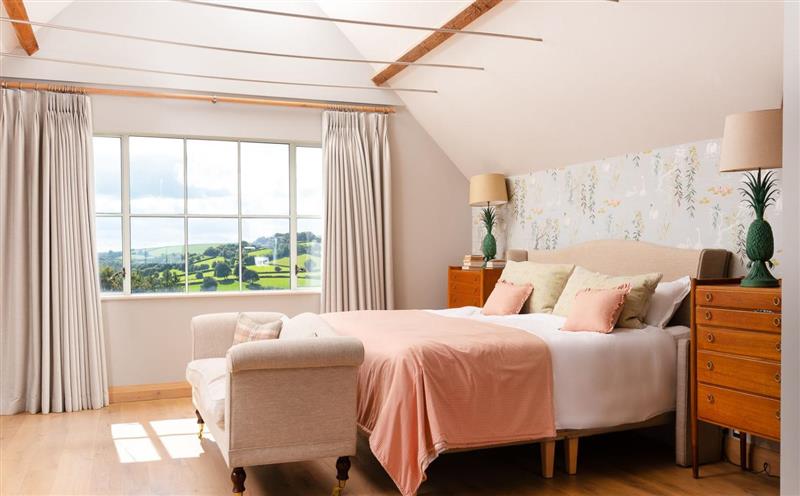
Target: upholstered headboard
{"points": [[627, 257]]}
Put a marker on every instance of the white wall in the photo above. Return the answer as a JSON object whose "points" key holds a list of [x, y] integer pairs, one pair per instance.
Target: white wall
{"points": [[148, 339], [790, 389]]}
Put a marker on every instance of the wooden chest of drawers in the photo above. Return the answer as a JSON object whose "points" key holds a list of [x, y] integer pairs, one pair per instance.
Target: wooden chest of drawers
{"points": [[470, 287], [736, 360]]}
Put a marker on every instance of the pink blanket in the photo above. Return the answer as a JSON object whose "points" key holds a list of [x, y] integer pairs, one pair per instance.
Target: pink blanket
{"points": [[431, 383]]}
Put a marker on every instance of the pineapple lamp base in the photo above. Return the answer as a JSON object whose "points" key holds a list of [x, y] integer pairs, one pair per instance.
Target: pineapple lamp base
{"points": [[759, 276]]}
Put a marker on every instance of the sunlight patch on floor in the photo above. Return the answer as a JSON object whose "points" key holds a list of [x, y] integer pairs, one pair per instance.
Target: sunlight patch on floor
{"points": [[176, 438]]}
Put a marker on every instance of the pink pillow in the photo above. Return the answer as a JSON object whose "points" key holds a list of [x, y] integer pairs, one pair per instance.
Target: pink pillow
{"points": [[596, 310], [506, 298]]}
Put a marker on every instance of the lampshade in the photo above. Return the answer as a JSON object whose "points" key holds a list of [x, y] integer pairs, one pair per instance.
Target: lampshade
{"points": [[752, 140], [487, 189]]}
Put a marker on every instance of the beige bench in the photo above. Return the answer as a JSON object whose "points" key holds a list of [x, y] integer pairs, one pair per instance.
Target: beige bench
{"points": [[275, 401]]}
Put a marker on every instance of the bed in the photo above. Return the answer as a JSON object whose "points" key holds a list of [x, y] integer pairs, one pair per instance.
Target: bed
{"points": [[413, 370]]}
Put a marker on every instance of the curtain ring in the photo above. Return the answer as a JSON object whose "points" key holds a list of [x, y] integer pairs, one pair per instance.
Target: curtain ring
{"points": [[213, 99]]}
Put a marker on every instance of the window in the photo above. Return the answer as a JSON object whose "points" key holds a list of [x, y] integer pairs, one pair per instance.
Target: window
{"points": [[178, 215]]}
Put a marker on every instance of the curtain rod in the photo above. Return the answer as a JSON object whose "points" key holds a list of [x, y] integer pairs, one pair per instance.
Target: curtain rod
{"points": [[356, 21], [233, 50], [178, 95]]}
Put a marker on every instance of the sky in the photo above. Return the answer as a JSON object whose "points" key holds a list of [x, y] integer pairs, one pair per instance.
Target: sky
{"points": [[158, 180]]}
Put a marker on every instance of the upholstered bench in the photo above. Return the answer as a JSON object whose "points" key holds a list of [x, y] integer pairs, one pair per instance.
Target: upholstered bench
{"points": [[277, 400]]}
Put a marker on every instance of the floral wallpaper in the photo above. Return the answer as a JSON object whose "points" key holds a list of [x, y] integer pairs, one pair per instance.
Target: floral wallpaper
{"points": [[671, 196]]}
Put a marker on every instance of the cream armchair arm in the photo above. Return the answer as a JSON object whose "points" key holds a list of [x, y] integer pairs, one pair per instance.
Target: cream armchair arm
{"points": [[296, 354], [291, 399]]}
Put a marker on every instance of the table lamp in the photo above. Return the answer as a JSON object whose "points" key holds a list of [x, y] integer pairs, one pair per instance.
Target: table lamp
{"points": [[488, 191], [753, 141]]}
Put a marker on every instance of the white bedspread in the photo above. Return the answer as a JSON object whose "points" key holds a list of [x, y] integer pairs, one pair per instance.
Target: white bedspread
{"points": [[601, 380]]}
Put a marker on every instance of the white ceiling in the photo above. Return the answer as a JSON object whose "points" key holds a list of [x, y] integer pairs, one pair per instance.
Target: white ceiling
{"points": [[610, 78]]}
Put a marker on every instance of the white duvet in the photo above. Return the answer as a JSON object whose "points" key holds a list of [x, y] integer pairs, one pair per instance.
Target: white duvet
{"points": [[601, 380]]}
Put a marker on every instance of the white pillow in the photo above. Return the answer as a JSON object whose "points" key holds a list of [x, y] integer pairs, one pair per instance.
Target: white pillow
{"points": [[666, 300]]}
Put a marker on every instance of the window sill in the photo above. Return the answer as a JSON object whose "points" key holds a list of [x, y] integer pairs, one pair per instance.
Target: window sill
{"points": [[210, 294]]}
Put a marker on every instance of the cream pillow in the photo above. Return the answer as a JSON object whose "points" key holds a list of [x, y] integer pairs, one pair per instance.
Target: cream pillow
{"points": [[636, 303], [547, 280]]}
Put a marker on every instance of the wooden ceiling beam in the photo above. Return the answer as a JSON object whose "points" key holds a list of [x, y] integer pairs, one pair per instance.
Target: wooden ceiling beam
{"points": [[459, 22], [27, 40]]}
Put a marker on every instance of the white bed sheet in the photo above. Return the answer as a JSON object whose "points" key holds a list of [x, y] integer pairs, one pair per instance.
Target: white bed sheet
{"points": [[601, 380]]}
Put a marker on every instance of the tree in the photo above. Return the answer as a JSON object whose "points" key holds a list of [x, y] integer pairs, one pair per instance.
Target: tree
{"points": [[278, 268], [169, 279], [209, 284], [249, 275], [198, 275], [222, 270], [310, 265]]}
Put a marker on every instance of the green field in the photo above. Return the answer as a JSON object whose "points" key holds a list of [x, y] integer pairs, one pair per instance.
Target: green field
{"points": [[212, 267]]}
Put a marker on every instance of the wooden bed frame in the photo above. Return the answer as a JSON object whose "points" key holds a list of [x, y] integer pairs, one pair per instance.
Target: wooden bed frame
{"points": [[624, 257]]}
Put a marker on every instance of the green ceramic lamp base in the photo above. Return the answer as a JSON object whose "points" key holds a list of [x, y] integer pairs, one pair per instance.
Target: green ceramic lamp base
{"points": [[759, 276]]}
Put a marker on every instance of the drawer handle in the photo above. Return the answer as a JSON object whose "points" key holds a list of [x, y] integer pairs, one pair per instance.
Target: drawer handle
{"points": [[776, 301], [777, 377], [709, 297], [710, 398], [778, 415], [776, 321], [710, 338], [778, 346], [710, 365], [708, 315]]}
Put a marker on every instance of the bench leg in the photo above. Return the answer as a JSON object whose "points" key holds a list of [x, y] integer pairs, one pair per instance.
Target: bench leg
{"points": [[342, 467], [200, 425], [548, 451], [237, 477], [571, 455]]}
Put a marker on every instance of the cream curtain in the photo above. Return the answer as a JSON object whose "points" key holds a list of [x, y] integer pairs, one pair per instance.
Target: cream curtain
{"points": [[53, 356], [357, 243]]}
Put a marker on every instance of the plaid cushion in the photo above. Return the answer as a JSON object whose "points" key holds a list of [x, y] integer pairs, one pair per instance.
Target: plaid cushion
{"points": [[249, 329]]}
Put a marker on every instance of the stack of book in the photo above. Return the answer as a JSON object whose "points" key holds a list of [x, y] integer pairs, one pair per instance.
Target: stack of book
{"points": [[476, 262], [496, 263], [472, 262]]}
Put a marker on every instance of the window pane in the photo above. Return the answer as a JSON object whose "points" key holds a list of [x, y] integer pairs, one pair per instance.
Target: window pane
{"points": [[109, 253], [309, 181], [309, 253], [211, 175], [157, 259], [156, 175], [265, 247], [107, 175], [265, 179], [213, 255]]}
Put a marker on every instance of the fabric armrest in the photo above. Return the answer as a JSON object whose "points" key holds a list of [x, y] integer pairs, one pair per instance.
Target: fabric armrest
{"points": [[296, 353]]}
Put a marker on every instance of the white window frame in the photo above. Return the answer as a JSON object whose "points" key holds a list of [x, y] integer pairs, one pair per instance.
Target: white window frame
{"points": [[125, 216]]}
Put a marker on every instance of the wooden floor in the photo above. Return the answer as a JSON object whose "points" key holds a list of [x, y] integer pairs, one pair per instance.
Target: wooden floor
{"points": [[150, 447]]}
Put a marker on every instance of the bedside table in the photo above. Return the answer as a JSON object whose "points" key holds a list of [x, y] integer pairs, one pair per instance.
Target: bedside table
{"points": [[470, 287], [736, 360]]}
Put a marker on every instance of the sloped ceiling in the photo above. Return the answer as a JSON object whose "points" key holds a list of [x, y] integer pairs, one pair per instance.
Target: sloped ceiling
{"points": [[205, 25], [609, 78], [40, 10]]}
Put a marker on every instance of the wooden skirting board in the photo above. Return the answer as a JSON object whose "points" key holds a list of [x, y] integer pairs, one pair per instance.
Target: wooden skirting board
{"points": [[757, 456], [144, 392]]}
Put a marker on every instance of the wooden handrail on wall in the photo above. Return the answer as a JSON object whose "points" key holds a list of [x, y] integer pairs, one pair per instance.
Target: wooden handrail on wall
{"points": [[137, 93]]}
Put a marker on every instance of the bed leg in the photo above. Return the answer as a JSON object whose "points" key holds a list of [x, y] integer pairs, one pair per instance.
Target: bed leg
{"points": [[571, 455], [548, 451]]}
